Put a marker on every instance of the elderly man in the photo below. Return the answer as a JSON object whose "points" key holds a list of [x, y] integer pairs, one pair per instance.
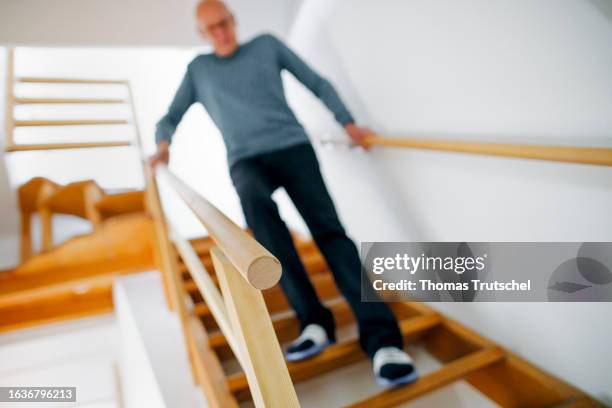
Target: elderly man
{"points": [[241, 88]]}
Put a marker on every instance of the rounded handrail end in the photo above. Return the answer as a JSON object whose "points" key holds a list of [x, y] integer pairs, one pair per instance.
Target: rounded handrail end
{"points": [[264, 272]]}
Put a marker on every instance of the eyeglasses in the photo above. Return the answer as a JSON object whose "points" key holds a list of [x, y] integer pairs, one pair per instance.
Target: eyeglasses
{"points": [[223, 24]]}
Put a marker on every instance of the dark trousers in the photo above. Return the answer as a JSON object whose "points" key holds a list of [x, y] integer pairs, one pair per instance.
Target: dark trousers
{"points": [[296, 169]]}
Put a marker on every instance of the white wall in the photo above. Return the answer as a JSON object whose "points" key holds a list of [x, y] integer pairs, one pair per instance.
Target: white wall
{"points": [[521, 71], [154, 361], [80, 353]]}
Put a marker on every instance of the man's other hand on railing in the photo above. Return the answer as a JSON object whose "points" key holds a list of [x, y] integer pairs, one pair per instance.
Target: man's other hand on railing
{"points": [[359, 135], [162, 155]]}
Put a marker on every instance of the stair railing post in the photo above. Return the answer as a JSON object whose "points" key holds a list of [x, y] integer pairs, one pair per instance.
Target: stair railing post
{"points": [[264, 365], [164, 253]]}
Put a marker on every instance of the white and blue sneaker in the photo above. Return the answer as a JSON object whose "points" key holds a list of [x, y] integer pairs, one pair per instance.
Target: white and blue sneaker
{"points": [[393, 367], [311, 342]]}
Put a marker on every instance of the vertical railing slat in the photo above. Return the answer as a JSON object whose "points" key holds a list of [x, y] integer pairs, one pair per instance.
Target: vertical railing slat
{"points": [[265, 368]]}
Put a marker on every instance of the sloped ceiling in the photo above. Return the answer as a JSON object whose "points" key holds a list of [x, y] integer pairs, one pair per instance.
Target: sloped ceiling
{"points": [[128, 22]]}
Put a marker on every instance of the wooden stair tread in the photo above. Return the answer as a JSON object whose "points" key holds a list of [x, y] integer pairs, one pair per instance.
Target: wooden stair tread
{"points": [[447, 374], [76, 284], [50, 304], [336, 356], [286, 327], [275, 298]]}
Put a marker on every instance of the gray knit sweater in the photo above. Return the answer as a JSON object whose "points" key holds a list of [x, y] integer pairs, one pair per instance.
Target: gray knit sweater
{"points": [[244, 96]]}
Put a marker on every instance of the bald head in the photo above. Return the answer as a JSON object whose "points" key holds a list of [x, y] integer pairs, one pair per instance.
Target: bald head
{"points": [[211, 6], [216, 23]]}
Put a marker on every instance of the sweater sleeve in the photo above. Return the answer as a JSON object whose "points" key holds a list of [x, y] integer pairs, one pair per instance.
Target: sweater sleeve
{"points": [[183, 99], [318, 85]]}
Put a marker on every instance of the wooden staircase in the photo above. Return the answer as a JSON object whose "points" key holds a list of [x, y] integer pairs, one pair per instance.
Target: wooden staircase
{"points": [[499, 374], [75, 279], [37, 298], [46, 289]]}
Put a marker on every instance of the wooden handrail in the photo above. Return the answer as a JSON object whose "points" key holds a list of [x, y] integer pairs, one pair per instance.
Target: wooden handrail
{"points": [[243, 268], [568, 154], [258, 266]]}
